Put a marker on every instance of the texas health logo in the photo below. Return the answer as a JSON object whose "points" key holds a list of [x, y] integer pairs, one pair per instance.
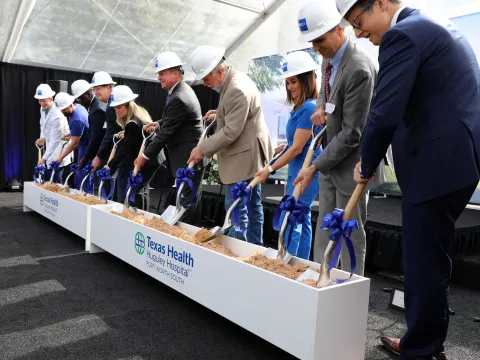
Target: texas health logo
{"points": [[139, 243], [42, 199]]}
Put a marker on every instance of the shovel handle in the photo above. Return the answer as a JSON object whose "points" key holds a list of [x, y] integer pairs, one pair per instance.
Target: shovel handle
{"points": [[357, 193], [112, 154], [306, 163], [39, 155]]}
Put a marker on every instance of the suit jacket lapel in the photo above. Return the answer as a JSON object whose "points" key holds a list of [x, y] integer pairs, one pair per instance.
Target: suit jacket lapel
{"points": [[175, 89], [339, 74], [227, 81]]}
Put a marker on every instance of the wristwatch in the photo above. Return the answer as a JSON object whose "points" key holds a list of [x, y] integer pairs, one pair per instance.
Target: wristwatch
{"points": [[271, 170]]}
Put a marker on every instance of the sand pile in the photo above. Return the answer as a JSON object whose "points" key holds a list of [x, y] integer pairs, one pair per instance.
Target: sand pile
{"points": [[276, 265], [50, 187], [89, 200], [202, 235]]}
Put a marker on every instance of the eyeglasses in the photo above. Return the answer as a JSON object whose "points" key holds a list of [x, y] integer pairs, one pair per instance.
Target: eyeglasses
{"points": [[355, 23]]}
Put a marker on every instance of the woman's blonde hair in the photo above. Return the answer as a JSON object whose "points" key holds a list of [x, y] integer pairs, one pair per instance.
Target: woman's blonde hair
{"points": [[308, 86], [134, 110]]}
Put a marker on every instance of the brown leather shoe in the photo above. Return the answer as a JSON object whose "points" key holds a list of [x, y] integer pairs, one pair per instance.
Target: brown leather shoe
{"points": [[392, 344]]}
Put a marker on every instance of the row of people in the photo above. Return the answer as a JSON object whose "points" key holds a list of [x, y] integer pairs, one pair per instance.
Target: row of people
{"points": [[423, 100]]}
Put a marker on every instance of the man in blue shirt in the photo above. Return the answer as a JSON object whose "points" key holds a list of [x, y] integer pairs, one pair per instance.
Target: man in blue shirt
{"points": [[79, 128]]}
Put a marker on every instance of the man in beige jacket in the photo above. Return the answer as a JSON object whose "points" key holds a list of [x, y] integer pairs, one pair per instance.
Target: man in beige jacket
{"points": [[241, 140]]}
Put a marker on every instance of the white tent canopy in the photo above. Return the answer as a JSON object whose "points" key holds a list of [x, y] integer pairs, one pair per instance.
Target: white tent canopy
{"points": [[123, 37]]}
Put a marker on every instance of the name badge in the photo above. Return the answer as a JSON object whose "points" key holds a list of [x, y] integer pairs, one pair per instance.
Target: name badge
{"points": [[329, 108]]}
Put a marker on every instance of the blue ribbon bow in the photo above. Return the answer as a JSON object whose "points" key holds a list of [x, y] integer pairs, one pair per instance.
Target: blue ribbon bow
{"points": [[240, 190], [134, 182], [185, 175], [341, 228], [53, 166], [104, 175], [39, 170], [88, 185], [298, 211], [73, 167]]}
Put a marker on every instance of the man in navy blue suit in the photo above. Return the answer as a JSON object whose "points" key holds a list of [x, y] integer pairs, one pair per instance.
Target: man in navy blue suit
{"points": [[427, 106]]}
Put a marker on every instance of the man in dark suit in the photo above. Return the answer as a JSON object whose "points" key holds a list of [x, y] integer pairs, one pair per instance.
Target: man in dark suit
{"points": [[428, 106], [181, 127], [83, 94]]}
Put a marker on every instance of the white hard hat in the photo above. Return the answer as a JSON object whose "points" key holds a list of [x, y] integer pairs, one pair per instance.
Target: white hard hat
{"points": [[44, 91], [102, 78], [298, 62], [63, 100], [122, 94], [167, 60], [80, 87], [316, 19], [343, 6], [204, 59]]}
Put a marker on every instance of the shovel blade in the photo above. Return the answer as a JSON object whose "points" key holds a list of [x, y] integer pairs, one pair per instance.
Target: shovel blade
{"points": [[171, 215], [309, 274], [271, 253]]}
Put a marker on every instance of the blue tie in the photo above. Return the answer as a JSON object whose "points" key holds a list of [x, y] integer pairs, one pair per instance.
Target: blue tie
{"points": [[168, 98]]}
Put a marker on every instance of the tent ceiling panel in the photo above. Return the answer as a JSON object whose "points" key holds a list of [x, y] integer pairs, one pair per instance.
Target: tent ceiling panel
{"points": [[61, 34], [8, 13]]}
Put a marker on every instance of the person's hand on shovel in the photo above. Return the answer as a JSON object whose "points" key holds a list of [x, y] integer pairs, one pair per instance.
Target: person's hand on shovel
{"points": [[357, 174], [305, 176], [153, 126], [210, 115], [196, 155], [41, 162], [40, 142], [319, 117]]}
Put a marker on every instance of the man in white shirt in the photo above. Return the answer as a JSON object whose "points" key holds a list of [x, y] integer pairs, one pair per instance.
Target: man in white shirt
{"points": [[54, 130]]}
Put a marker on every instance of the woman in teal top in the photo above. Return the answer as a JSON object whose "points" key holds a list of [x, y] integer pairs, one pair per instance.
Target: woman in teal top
{"points": [[301, 85]]}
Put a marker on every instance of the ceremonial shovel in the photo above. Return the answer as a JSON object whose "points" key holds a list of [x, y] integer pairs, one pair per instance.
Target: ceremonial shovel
{"points": [[173, 213], [135, 170], [112, 154], [324, 276], [39, 159], [222, 230], [282, 252]]}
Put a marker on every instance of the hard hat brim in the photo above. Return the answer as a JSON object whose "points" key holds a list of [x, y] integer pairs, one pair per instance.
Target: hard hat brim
{"points": [[215, 62], [121, 102], [101, 84], [70, 102], [298, 72], [76, 96], [42, 97], [168, 67]]}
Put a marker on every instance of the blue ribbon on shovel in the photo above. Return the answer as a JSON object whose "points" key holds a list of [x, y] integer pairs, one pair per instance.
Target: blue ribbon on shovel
{"points": [[88, 185], [341, 228], [104, 175], [185, 175], [298, 211], [240, 190], [134, 182], [39, 170], [54, 166]]}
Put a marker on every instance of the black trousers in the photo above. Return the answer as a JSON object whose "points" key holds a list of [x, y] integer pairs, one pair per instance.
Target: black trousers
{"points": [[428, 231]]}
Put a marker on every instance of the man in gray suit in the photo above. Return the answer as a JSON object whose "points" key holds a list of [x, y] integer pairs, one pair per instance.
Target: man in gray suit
{"points": [[346, 92]]}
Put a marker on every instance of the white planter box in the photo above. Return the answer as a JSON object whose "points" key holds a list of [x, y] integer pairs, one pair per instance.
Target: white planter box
{"points": [[309, 323], [68, 213]]}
